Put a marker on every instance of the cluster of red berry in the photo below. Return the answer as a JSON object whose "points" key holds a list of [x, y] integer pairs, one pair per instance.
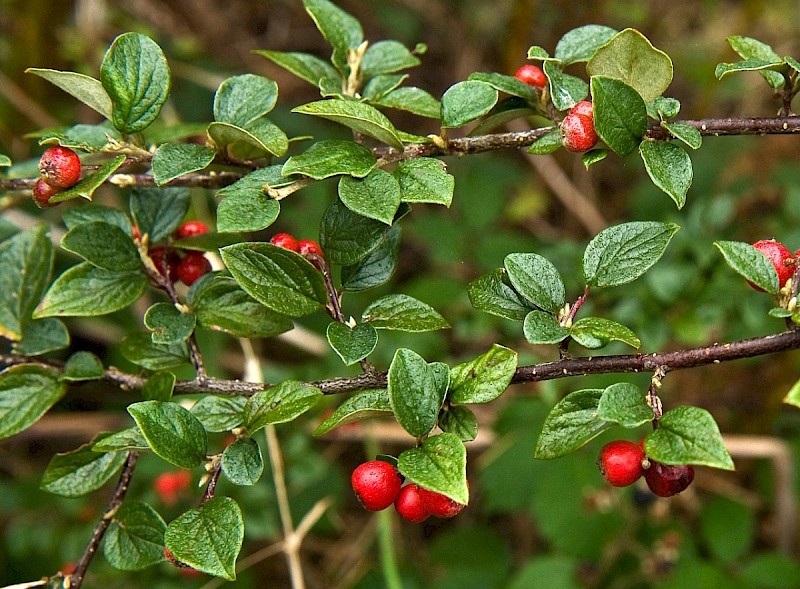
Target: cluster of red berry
{"points": [[378, 485], [781, 258], [307, 248], [60, 168], [622, 463], [169, 262]]}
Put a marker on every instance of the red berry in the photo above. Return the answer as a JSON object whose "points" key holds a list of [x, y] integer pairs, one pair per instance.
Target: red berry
{"points": [[60, 167], [531, 75], [666, 480], [409, 504], [585, 108], [166, 262], [781, 259], [577, 133], [191, 228], [620, 462], [137, 235], [376, 483], [193, 266], [285, 241], [169, 485], [309, 248], [439, 505], [42, 192]]}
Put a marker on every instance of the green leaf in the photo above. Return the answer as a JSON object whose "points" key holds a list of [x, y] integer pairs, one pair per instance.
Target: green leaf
{"points": [[219, 414], [750, 263], [403, 313], [222, 305], [387, 57], [246, 206], [307, 67], [377, 196], [728, 530], [688, 435], [352, 343], [547, 144], [159, 387], [440, 465], [663, 108], [103, 245], [240, 100], [242, 462], [543, 328], [465, 102], [425, 180], [669, 167], [380, 86], [140, 349], [42, 336], [754, 50], [88, 90], [82, 366], [278, 278], [413, 392], [358, 116], [461, 421], [81, 471], [629, 57], [508, 84], [135, 537], [625, 404], [580, 44], [593, 156], [339, 28], [172, 160], [26, 261], [565, 90], [331, 157], [87, 291], [686, 133], [74, 216], [571, 423], [596, 332], [279, 404], [172, 432], [507, 110], [5, 161], [168, 324], [414, 100], [127, 439], [208, 538], [484, 378], [86, 187], [358, 407], [259, 138], [27, 391], [536, 279], [620, 114], [377, 267], [622, 253], [491, 293], [136, 77], [346, 237], [157, 212]]}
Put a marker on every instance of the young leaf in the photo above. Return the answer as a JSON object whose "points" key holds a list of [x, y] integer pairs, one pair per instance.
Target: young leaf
{"points": [[413, 393], [571, 424], [403, 313], [242, 462], [81, 471], [305, 66], [425, 180], [240, 100], [491, 293], [82, 366], [358, 116], [88, 90], [413, 100], [219, 414], [103, 245], [168, 324], [377, 267], [208, 538], [465, 102], [459, 420], [669, 167], [171, 431], [42, 336], [331, 157], [338, 27], [440, 465], [140, 349], [27, 391], [135, 537], [750, 263], [279, 404], [688, 435], [159, 387], [622, 253], [542, 328], [753, 49], [352, 343], [346, 237], [136, 77], [625, 404], [565, 90], [596, 332], [663, 108], [176, 159], [278, 278], [580, 44], [536, 279], [484, 378], [620, 114], [377, 196], [158, 211], [358, 407]]}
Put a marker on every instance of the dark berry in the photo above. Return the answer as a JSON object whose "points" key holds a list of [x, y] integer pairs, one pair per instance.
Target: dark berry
{"points": [[376, 483], [166, 262], [60, 167], [409, 504], [620, 462], [577, 133], [531, 75], [191, 228], [666, 480], [192, 267], [42, 192], [285, 241], [781, 259], [439, 505]]}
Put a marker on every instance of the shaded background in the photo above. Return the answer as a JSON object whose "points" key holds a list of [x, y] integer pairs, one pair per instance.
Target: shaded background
{"points": [[550, 524]]}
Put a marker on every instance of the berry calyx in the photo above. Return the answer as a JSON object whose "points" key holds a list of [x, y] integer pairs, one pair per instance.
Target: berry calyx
{"points": [[410, 506], [42, 192], [781, 259], [577, 128], [620, 462], [192, 267], [532, 76], [169, 485], [376, 484], [60, 167], [439, 505], [285, 241], [191, 228], [666, 480]]}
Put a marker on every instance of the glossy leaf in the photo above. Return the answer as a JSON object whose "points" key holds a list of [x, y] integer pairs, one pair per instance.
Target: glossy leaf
{"points": [[387, 57], [158, 211], [86, 187], [27, 392], [242, 463], [580, 44], [596, 332], [358, 407], [547, 144], [414, 100], [492, 293], [41, 336], [259, 138], [346, 237], [669, 167], [425, 180], [377, 196], [625, 404], [750, 263], [465, 102], [81, 471], [88, 90], [571, 423], [127, 439], [135, 537], [159, 387], [168, 324], [508, 84], [172, 160], [377, 267], [239, 100], [403, 313], [536, 279], [305, 66], [82, 366], [461, 421], [688, 435], [140, 349], [440, 465], [413, 392], [74, 216], [543, 328], [281, 403], [246, 206], [331, 157], [219, 414], [620, 114], [358, 116], [593, 156], [352, 344], [686, 133], [753, 49], [484, 378], [172, 432], [338, 27], [103, 245], [565, 90]]}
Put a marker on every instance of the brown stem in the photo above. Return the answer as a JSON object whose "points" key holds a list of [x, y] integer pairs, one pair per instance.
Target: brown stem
{"points": [[212, 483]]}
